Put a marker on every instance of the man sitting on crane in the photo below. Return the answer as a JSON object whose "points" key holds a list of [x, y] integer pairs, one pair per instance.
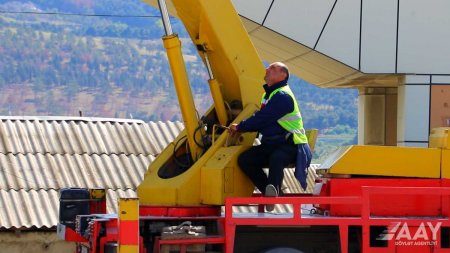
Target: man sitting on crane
{"points": [[284, 140]]}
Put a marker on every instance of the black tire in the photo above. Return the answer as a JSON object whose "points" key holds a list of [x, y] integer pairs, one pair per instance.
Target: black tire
{"points": [[281, 250]]}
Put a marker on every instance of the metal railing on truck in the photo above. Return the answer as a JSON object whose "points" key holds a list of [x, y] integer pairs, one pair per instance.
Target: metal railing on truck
{"points": [[365, 220]]}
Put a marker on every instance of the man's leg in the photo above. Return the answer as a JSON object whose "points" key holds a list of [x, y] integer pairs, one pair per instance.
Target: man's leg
{"points": [[281, 157], [252, 162]]}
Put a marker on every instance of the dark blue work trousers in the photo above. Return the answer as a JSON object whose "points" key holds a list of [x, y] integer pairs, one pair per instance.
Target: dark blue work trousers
{"points": [[276, 157]]}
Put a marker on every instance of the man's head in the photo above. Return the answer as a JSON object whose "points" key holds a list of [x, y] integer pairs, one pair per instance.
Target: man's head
{"points": [[276, 72]]}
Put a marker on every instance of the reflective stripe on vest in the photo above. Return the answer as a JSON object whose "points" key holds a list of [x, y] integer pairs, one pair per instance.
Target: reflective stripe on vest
{"points": [[291, 122]]}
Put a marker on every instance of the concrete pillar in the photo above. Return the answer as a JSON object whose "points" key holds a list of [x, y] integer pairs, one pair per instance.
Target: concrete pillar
{"points": [[377, 116]]}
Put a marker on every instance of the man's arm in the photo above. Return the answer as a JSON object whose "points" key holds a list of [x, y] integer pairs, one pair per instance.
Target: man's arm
{"points": [[278, 106]]}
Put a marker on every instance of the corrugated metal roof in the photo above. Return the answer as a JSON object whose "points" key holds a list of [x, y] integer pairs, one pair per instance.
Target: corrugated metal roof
{"points": [[164, 132], [40, 155], [35, 208], [45, 171], [39, 208], [60, 135]]}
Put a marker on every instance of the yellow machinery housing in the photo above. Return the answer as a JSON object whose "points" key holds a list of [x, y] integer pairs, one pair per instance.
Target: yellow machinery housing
{"points": [[185, 174], [412, 162]]}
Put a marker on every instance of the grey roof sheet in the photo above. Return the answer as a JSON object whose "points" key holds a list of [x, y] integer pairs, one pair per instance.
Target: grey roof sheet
{"points": [[164, 132], [40, 155], [26, 209], [39, 208], [45, 171], [71, 135]]}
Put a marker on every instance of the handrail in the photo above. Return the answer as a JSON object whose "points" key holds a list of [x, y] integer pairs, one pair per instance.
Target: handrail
{"points": [[364, 201], [364, 220], [367, 191], [289, 220]]}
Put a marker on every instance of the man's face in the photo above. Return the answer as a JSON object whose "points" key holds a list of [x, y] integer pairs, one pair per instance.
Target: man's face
{"points": [[274, 74]]}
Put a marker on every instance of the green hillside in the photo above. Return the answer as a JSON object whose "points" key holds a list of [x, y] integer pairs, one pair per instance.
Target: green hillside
{"points": [[105, 59]]}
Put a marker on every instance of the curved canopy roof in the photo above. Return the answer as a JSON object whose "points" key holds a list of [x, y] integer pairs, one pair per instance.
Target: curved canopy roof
{"points": [[345, 44]]}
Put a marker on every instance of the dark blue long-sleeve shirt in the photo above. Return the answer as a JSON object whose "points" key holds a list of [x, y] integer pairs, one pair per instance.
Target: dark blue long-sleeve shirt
{"points": [[265, 120]]}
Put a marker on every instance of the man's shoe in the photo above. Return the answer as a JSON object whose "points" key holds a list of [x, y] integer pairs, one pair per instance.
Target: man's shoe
{"points": [[271, 191]]}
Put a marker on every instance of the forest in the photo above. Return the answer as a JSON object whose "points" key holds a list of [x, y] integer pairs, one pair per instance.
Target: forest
{"points": [[105, 59]]}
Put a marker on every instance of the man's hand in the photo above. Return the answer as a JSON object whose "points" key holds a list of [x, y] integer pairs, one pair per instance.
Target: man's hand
{"points": [[233, 130]]}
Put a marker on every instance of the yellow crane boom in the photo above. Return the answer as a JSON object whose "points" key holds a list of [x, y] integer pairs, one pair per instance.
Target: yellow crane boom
{"points": [[188, 172]]}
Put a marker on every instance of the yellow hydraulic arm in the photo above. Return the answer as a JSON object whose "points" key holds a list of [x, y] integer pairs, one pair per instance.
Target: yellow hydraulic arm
{"points": [[187, 172], [173, 47]]}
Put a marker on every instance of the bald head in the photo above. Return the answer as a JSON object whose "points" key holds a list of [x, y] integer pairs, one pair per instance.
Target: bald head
{"points": [[276, 72]]}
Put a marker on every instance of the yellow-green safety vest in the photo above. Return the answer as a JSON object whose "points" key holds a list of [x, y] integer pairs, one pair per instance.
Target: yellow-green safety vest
{"points": [[291, 122]]}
